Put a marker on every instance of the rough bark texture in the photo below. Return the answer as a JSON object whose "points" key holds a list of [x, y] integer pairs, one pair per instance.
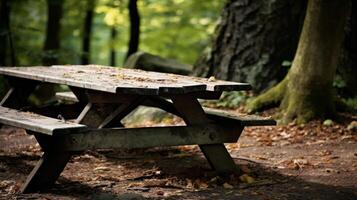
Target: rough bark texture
{"points": [[52, 40], [348, 63], [251, 41], [87, 32], [134, 28], [306, 92]]}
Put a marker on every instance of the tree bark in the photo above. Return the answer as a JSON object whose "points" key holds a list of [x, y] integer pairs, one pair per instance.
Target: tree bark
{"points": [[348, 60], [113, 53], [252, 40], [306, 92], [134, 28], [52, 40], [87, 32]]}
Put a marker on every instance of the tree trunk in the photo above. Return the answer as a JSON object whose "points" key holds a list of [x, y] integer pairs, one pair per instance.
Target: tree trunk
{"points": [[4, 16], [134, 28], [306, 92], [6, 43], [52, 40], [252, 40], [348, 62], [113, 53], [46, 92], [87, 32], [4, 38]]}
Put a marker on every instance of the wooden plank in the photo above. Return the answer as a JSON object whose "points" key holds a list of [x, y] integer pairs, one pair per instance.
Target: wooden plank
{"points": [[37, 123], [120, 80], [147, 137], [243, 120]]}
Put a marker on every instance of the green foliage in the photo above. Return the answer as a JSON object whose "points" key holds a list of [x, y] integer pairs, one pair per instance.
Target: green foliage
{"points": [[286, 63], [351, 103], [28, 23], [175, 29], [338, 82]]}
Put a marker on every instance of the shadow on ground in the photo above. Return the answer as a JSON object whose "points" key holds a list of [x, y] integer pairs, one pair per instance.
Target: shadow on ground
{"points": [[172, 164]]}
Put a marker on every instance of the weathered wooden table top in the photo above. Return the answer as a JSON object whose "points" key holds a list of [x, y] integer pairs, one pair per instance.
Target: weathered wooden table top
{"points": [[121, 80]]}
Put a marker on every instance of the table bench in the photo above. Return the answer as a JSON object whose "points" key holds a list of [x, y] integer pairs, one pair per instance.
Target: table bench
{"points": [[215, 114], [104, 96]]}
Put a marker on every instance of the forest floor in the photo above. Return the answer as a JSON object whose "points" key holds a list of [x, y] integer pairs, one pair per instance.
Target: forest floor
{"points": [[311, 161]]}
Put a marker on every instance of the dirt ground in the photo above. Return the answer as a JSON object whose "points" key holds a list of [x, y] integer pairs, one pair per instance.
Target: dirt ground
{"points": [[311, 161]]}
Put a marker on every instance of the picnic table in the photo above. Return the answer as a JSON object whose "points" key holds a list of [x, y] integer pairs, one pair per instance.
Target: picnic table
{"points": [[105, 95]]}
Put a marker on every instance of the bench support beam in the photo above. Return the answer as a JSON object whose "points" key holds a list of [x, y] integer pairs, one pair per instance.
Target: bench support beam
{"points": [[53, 161], [46, 171], [216, 154], [147, 137]]}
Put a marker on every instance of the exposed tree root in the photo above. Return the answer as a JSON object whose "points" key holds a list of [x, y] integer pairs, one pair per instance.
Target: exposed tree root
{"points": [[268, 99], [294, 105]]}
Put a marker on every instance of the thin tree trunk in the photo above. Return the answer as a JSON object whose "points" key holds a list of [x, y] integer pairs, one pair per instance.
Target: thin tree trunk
{"points": [[52, 40], [252, 40], [134, 28], [46, 92], [306, 92], [113, 53], [87, 32], [5, 32], [348, 62]]}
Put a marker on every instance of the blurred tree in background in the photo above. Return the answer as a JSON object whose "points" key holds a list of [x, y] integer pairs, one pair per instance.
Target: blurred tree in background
{"points": [[254, 41], [175, 29]]}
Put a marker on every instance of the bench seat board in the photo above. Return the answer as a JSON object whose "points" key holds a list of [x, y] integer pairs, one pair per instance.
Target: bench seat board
{"points": [[37, 123], [243, 120], [121, 80], [148, 137]]}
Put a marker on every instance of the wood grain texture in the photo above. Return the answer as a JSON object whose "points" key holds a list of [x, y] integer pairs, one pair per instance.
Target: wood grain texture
{"points": [[37, 123], [121, 80], [148, 137], [243, 120]]}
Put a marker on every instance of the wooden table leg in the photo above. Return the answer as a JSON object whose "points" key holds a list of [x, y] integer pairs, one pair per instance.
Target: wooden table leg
{"points": [[48, 168], [53, 161], [216, 154], [46, 171]]}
